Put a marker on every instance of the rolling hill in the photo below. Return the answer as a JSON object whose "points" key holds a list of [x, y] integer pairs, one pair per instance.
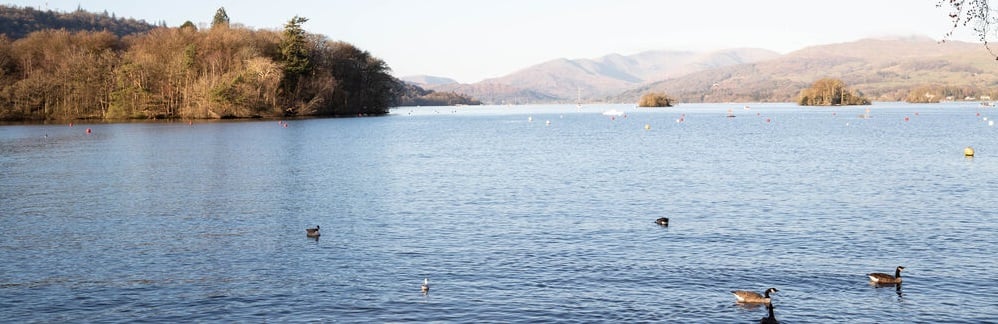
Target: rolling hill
{"points": [[563, 80], [883, 69]]}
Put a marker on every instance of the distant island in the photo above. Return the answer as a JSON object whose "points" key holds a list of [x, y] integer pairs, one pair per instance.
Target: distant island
{"points": [[830, 92], [655, 99], [80, 65]]}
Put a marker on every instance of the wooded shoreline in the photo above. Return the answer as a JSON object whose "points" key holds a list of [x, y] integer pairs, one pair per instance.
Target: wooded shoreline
{"points": [[223, 72]]}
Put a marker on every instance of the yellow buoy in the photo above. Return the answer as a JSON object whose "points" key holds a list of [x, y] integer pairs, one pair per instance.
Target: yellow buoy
{"points": [[647, 126], [969, 151]]}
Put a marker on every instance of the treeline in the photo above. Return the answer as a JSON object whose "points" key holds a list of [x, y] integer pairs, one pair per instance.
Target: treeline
{"points": [[221, 72], [18, 22], [937, 93], [413, 95]]}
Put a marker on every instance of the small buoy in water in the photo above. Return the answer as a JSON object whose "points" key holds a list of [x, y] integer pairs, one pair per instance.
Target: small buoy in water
{"points": [[647, 127], [70, 124], [547, 123], [89, 131], [663, 221], [905, 118], [530, 119], [768, 120], [969, 151], [991, 123]]}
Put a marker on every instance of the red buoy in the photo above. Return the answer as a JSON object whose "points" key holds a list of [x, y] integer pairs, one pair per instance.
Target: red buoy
{"points": [[905, 118], [89, 131]]}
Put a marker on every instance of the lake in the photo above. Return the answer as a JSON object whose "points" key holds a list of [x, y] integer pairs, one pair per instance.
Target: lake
{"points": [[513, 214]]}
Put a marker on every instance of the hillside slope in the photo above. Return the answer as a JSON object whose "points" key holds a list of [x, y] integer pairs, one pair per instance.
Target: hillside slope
{"points": [[564, 80], [883, 69]]}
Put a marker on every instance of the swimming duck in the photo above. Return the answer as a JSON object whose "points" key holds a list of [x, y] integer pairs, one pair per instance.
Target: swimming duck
{"points": [[745, 296], [883, 278], [425, 288], [664, 221], [312, 232]]}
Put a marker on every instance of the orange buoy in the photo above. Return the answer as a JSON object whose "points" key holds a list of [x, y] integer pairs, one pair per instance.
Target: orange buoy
{"points": [[968, 152]]}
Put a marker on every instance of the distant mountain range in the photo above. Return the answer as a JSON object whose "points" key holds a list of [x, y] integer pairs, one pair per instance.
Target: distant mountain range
{"points": [[884, 69], [592, 79]]}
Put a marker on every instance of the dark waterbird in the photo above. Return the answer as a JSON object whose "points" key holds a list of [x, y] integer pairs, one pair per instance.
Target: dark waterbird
{"points": [[883, 278], [664, 221], [312, 232], [771, 319], [751, 297]]}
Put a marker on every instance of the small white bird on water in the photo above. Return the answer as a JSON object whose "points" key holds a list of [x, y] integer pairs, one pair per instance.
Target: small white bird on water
{"points": [[426, 286]]}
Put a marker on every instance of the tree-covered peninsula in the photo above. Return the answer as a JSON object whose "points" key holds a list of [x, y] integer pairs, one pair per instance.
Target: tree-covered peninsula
{"points": [[225, 71]]}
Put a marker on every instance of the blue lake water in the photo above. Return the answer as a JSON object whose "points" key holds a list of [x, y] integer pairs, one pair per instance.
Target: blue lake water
{"points": [[510, 218]]}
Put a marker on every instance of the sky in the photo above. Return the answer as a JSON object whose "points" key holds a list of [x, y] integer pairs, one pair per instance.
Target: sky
{"points": [[472, 40]]}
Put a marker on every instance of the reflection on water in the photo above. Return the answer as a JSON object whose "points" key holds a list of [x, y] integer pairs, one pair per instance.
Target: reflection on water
{"points": [[897, 288]]}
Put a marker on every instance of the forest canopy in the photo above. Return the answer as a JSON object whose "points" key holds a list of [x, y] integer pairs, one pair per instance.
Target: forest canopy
{"points": [[226, 71]]}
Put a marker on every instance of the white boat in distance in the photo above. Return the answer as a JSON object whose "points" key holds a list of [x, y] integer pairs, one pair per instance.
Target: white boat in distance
{"points": [[613, 112]]}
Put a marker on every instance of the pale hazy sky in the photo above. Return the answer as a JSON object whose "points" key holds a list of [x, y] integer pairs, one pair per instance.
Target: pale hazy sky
{"points": [[471, 40]]}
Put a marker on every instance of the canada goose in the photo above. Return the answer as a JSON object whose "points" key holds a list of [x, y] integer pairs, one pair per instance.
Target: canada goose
{"points": [[426, 286], [312, 232], [745, 296], [883, 278], [664, 221], [771, 318]]}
